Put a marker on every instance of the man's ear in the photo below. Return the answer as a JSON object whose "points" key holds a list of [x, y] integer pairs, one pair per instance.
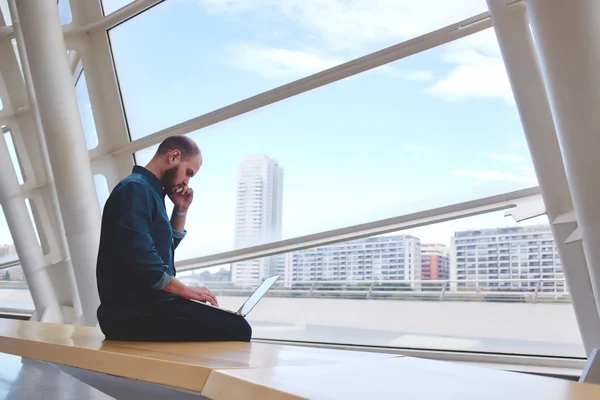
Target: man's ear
{"points": [[175, 154]]}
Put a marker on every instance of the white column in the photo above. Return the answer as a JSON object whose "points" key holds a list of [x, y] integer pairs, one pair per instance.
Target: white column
{"points": [[567, 36], [59, 114], [523, 68], [28, 249]]}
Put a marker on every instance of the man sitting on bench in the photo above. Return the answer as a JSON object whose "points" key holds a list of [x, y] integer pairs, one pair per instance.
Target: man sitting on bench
{"points": [[140, 297]]}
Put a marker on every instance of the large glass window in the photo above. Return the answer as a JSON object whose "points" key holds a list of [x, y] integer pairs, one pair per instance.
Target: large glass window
{"points": [[64, 12], [5, 12], [355, 293], [375, 146], [101, 189], [14, 293], [110, 6], [13, 153], [207, 54]]}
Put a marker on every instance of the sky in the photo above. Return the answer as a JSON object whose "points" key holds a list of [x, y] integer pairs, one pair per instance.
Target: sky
{"points": [[434, 129]]}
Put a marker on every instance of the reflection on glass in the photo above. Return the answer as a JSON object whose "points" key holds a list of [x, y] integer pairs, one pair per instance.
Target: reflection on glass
{"points": [[253, 47], [418, 289], [86, 112], [376, 146]]}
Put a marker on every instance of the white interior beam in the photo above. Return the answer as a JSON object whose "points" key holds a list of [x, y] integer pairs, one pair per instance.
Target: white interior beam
{"points": [[67, 150], [567, 37], [41, 190], [23, 234], [566, 218], [522, 65]]}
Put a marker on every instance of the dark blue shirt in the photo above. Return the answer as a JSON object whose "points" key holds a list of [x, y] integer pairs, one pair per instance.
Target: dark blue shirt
{"points": [[137, 245]]}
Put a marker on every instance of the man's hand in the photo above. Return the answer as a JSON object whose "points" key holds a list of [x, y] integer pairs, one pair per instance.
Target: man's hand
{"points": [[190, 292], [183, 199], [201, 294]]}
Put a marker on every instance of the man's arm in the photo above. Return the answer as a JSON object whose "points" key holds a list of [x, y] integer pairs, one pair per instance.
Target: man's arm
{"points": [[178, 225], [145, 266], [182, 202], [133, 209]]}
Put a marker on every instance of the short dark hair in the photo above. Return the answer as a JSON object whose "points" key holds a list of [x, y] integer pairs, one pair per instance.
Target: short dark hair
{"points": [[187, 146]]}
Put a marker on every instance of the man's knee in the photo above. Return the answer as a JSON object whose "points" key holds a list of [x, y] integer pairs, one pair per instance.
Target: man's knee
{"points": [[245, 331]]}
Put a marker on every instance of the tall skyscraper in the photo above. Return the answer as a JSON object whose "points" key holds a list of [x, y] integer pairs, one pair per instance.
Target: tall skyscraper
{"points": [[259, 205], [435, 261], [500, 255]]}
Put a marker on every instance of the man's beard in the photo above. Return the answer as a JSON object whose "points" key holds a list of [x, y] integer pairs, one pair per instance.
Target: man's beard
{"points": [[168, 180]]}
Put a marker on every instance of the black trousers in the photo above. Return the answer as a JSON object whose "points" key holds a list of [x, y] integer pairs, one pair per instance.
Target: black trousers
{"points": [[179, 320]]}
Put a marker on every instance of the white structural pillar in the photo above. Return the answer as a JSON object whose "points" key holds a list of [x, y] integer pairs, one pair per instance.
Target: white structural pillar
{"points": [[28, 249], [523, 69], [567, 37], [67, 150]]}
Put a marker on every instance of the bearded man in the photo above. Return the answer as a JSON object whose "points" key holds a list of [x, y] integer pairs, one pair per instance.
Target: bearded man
{"points": [[140, 297]]}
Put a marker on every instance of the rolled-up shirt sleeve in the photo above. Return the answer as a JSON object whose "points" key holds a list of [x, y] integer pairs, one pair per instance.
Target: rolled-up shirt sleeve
{"points": [[178, 237], [133, 229]]}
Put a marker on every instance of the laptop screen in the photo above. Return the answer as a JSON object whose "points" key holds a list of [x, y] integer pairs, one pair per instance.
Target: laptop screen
{"points": [[257, 295]]}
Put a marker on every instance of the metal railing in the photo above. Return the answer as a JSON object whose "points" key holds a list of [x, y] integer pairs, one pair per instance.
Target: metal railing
{"points": [[485, 290], [10, 264]]}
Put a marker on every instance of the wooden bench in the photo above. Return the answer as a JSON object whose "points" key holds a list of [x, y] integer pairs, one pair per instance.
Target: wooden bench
{"points": [[181, 365], [231, 370]]}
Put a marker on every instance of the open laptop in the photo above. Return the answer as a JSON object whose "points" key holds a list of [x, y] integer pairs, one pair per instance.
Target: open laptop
{"points": [[252, 301]]}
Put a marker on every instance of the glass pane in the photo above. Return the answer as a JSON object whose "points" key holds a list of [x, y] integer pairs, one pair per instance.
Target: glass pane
{"points": [[208, 54], [368, 148], [5, 13], [110, 6], [101, 189], [33, 220], [16, 50], [14, 293], [13, 156], [64, 12], [7, 248], [371, 292], [86, 112]]}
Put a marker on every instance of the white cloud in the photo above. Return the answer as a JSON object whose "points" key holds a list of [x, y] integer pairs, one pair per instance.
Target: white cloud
{"points": [[277, 62], [474, 75], [344, 29], [477, 71], [505, 157], [351, 24]]}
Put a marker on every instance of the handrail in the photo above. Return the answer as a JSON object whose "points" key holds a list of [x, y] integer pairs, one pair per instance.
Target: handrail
{"points": [[484, 205], [439, 290], [397, 281], [10, 264]]}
